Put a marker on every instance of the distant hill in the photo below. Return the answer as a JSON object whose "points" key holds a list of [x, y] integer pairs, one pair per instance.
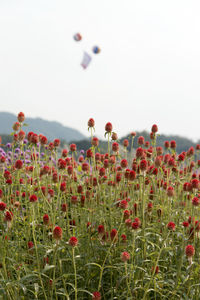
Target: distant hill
{"points": [[50, 129]]}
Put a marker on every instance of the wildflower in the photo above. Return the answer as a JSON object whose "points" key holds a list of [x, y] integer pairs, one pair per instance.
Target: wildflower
{"points": [[125, 256], [125, 143], [113, 234], [72, 147], [16, 126], [173, 144], [171, 226], [143, 165], [115, 147], [73, 241], [8, 216], [154, 128], [108, 127], [114, 136], [21, 117], [124, 163], [30, 245], [46, 219], [64, 207], [2, 206], [195, 201], [189, 252], [96, 296], [141, 140], [57, 233], [56, 143], [91, 123], [33, 198]]}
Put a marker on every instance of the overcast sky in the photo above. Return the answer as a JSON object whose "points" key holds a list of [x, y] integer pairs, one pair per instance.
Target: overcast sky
{"points": [[147, 72]]}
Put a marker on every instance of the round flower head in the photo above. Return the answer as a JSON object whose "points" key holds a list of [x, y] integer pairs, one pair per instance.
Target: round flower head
{"points": [[73, 241], [189, 252], [91, 123], [57, 233], [96, 295], [171, 226], [108, 127], [33, 198], [125, 256], [154, 128], [21, 117]]}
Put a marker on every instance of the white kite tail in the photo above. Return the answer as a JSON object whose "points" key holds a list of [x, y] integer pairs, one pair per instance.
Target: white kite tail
{"points": [[86, 60]]}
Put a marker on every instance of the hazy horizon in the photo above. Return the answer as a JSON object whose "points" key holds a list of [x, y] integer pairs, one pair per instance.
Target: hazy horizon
{"points": [[147, 72]]}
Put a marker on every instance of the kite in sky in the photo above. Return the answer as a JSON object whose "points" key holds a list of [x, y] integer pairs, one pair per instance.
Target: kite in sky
{"points": [[86, 60], [77, 37], [86, 57]]}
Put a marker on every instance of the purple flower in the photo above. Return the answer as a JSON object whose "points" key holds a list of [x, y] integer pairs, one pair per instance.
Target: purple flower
{"points": [[8, 145]]}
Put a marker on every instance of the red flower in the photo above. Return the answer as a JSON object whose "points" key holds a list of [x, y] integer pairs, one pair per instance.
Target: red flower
{"points": [[171, 226], [2, 206], [108, 127], [114, 136], [154, 128], [143, 165], [85, 167], [21, 135], [113, 234], [8, 216], [72, 147], [123, 204], [43, 140], [33, 198], [91, 122], [21, 117], [61, 164], [18, 164], [124, 163], [101, 229], [89, 153], [57, 233], [56, 143], [63, 186], [30, 245], [16, 126], [185, 224], [46, 219], [170, 191], [141, 140], [96, 296], [189, 251], [64, 207], [166, 144], [115, 147], [125, 256], [195, 201], [73, 241], [125, 143], [74, 199], [95, 141], [1, 193], [173, 144]]}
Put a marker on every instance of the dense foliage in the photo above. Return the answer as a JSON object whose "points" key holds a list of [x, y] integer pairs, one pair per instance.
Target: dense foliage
{"points": [[94, 226]]}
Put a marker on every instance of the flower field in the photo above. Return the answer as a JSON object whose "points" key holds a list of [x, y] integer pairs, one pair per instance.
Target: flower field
{"points": [[118, 225]]}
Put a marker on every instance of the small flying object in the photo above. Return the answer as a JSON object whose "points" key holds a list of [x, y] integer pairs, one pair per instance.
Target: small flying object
{"points": [[96, 50], [77, 37], [86, 60]]}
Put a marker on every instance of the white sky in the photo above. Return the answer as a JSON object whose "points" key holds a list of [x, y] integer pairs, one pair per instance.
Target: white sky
{"points": [[148, 71]]}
